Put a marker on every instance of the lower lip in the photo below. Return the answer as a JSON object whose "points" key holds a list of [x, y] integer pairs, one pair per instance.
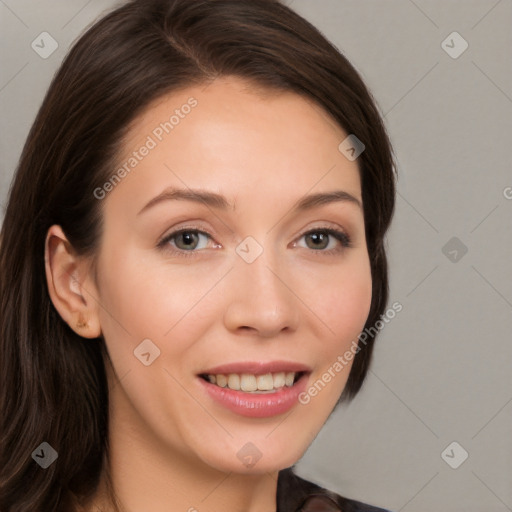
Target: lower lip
{"points": [[256, 405]]}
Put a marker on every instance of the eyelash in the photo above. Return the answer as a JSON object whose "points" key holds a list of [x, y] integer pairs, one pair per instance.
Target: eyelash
{"points": [[165, 246], [341, 236]]}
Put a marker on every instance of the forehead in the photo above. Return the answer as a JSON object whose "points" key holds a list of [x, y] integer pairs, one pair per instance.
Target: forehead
{"points": [[231, 136]]}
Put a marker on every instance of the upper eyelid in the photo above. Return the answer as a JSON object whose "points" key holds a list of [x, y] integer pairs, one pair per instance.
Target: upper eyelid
{"points": [[179, 230], [331, 227], [176, 232], [197, 223]]}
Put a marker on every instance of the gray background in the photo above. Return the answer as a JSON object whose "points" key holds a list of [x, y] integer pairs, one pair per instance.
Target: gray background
{"points": [[442, 367]]}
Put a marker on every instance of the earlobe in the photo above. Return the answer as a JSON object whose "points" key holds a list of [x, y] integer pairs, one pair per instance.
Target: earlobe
{"points": [[70, 291]]}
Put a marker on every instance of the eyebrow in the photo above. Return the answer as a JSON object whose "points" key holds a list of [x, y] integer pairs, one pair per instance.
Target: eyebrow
{"points": [[218, 201]]}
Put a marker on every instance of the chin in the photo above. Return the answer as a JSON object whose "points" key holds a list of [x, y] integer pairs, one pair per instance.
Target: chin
{"points": [[260, 456]]}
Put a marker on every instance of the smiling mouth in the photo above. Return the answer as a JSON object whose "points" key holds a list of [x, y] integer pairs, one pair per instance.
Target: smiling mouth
{"points": [[251, 383]]}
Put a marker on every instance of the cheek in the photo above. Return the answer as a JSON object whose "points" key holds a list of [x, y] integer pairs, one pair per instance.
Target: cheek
{"points": [[342, 305], [143, 299], [348, 303], [147, 294], [146, 301], [341, 298]]}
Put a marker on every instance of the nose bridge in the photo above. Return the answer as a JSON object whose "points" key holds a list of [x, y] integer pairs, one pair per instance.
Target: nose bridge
{"points": [[261, 300]]}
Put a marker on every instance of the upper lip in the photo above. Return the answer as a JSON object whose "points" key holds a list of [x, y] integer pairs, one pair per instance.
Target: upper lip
{"points": [[257, 368]]}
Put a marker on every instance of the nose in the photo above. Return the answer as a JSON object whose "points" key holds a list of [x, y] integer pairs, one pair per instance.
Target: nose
{"points": [[261, 300]]}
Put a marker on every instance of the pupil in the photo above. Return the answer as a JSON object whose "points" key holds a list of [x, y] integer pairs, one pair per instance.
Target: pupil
{"points": [[189, 239], [318, 240]]}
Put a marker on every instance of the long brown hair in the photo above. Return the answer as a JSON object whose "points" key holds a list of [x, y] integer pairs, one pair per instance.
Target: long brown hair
{"points": [[53, 382]]}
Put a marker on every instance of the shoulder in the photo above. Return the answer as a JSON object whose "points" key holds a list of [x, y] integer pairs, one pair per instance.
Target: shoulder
{"points": [[294, 494]]}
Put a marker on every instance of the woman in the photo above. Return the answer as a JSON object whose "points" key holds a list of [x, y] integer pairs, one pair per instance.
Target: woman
{"points": [[193, 244]]}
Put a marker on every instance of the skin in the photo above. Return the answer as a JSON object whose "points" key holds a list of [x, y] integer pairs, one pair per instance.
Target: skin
{"points": [[171, 445]]}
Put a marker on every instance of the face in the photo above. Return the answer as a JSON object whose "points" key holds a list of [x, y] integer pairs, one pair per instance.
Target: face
{"points": [[233, 274]]}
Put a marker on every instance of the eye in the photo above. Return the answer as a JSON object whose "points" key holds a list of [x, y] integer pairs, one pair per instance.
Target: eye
{"points": [[326, 240], [187, 240]]}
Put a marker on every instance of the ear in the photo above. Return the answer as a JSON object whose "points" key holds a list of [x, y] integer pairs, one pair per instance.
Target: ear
{"points": [[70, 284]]}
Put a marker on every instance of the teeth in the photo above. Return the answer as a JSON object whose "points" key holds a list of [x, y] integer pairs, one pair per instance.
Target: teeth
{"points": [[279, 380], [265, 382], [234, 381], [222, 381], [253, 383], [248, 382]]}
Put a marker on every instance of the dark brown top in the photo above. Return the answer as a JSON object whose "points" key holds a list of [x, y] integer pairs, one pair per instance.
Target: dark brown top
{"points": [[294, 494]]}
